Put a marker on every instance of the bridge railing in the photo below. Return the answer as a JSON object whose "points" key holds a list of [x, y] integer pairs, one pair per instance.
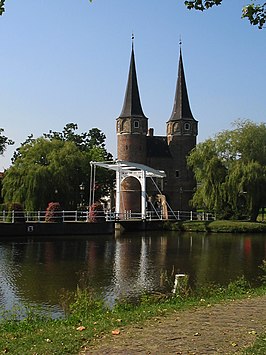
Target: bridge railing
{"points": [[41, 217], [156, 216], [109, 216]]}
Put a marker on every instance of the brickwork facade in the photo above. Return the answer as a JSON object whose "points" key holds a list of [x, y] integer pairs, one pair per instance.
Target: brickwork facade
{"points": [[136, 143]]}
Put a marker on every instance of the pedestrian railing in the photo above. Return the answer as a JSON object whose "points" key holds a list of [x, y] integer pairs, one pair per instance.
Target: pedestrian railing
{"points": [[109, 216]]}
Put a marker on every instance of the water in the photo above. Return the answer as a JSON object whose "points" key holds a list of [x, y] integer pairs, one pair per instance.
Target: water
{"points": [[36, 271]]}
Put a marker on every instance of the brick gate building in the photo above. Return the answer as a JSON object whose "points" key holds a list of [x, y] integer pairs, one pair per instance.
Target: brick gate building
{"points": [[137, 143]]}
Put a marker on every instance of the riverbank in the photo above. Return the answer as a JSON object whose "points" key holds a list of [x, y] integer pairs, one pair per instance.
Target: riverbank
{"points": [[35, 229], [224, 328], [89, 326], [225, 226]]}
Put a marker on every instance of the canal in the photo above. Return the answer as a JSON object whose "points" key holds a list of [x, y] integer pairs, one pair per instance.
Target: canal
{"points": [[38, 271]]}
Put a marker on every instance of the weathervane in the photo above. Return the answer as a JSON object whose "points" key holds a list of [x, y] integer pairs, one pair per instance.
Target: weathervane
{"points": [[180, 41], [132, 38]]}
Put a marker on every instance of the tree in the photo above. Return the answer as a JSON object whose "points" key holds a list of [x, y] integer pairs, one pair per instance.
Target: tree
{"points": [[255, 13], [51, 168], [4, 142], [2, 6], [231, 171]]}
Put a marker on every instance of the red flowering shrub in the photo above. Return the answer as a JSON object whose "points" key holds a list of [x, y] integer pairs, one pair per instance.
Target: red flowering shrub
{"points": [[96, 213], [53, 213]]}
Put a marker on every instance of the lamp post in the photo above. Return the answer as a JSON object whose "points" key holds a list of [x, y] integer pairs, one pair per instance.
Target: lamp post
{"points": [[81, 189], [181, 197]]}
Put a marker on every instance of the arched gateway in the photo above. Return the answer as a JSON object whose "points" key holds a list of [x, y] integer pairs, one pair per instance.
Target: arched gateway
{"points": [[124, 170]]}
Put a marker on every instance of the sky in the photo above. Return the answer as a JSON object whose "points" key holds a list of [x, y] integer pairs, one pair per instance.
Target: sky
{"points": [[67, 61]]}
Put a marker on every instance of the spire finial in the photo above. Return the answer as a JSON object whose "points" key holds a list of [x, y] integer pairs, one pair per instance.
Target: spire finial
{"points": [[180, 42], [132, 39]]}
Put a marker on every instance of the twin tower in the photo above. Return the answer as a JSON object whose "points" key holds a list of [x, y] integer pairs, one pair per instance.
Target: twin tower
{"points": [[137, 143]]}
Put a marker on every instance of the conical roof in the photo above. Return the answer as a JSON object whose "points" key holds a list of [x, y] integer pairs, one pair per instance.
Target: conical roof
{"points": [[181, 109], [132, 105]]}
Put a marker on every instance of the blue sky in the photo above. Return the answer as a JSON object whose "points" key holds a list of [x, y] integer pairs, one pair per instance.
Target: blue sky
{"points": [[67, 61]]}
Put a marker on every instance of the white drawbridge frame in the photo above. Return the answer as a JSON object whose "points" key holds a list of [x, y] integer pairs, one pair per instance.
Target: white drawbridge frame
{"points": [[123, 170]]}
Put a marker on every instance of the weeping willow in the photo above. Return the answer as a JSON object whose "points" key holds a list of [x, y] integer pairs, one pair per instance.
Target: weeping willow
{"points": [[231, 171]]}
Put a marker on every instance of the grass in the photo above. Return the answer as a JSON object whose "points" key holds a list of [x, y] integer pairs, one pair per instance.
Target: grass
{"points": [[259, 347], [225, 226], [38, 334]]}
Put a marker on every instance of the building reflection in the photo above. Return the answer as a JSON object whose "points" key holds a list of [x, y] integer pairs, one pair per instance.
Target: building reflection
{"points": [[36, 272]]}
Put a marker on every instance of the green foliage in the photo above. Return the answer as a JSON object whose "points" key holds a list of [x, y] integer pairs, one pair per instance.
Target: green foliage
{"points": [[219, 226], [86, 304], [4, 141], [263, 272], [52, 167], [202, 4], [231, 172], [16, 213], [38, 334], [239, 286], [259, 346], [2, 7], [255, 13]]}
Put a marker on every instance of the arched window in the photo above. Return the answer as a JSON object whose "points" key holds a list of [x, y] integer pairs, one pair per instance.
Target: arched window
{"points": [[187, 126], [136, 124]]}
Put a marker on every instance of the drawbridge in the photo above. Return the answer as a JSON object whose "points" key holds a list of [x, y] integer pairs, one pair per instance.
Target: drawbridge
{"points": [[141, 172]]}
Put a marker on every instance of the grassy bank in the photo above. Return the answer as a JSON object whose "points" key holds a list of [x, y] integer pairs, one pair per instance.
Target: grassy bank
{"points": [[217, 226], [87, 318]]}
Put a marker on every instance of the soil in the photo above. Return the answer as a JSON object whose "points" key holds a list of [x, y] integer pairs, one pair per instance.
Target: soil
{"points": [[225, 328]]}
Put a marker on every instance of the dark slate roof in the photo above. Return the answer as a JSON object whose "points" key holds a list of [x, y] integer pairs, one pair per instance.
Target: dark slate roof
{"points": [[181, 107], [132, 104], [157, 147]]}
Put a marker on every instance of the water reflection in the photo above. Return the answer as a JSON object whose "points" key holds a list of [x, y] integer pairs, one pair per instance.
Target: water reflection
{"points": [[35, 272]]}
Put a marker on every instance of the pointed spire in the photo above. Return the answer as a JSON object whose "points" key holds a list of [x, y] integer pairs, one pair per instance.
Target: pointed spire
{"points": [[132, 104], [181, 107]]}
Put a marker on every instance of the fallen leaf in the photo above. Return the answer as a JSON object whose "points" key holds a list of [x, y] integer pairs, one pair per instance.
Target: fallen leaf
{"points": [[253, 332], [116, 332], [196, 334], [234, 344], [81, 328]]}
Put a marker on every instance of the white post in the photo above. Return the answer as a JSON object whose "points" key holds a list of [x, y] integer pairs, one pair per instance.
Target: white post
{"points": [[143, 194], [179, 278], [118, 192]]}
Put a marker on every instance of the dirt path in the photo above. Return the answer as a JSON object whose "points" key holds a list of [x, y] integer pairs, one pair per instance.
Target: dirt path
{"points": [[220, 329]]}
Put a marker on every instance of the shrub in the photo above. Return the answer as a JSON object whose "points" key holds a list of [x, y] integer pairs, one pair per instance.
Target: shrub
{"points": [[53, 213], [96, 213]]}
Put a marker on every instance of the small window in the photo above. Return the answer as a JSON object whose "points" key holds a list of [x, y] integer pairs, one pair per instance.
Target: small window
{"points": [[177, 174], [136, 124], [187, 126]]}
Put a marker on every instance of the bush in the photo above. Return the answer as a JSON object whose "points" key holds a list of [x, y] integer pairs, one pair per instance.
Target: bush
{"points": [[53, 213], [96, 213]]}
